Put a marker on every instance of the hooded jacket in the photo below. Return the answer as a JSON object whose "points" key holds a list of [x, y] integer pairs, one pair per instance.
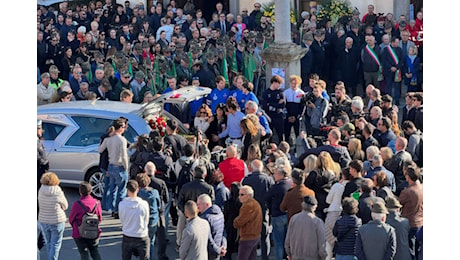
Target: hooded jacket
{"points": [[52, 204], [134, 217]]}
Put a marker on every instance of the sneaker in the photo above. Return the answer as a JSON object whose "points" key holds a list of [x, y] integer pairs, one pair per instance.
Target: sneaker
{"points": [[259, 252], [115, 215]]}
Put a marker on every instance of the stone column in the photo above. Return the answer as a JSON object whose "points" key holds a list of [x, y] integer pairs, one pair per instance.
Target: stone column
{"points": [[282, 53], [282, 23], [401, 7]]}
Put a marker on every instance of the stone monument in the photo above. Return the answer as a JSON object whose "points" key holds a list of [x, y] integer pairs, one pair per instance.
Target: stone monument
{"points": [[282, 53]]}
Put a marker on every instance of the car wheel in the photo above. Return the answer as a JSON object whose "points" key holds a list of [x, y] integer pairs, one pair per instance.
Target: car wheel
{"points": [[95, 179]]}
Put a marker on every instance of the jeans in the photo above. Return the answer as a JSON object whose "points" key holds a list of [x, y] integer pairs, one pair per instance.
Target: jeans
{"points": [[118, 180], [279, 234], [140, 245], [53, 236], [167, 209], [161, 235], [152, 234], [412, 232], [106, 191], [84, 245], [345, 257]]}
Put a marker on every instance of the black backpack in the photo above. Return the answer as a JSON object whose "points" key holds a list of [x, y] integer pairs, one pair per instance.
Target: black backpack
{"points": [[185, 175], [89, 226]]}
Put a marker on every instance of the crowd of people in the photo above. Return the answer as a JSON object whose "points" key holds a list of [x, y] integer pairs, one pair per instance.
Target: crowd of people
{"points": [[322, 168]]}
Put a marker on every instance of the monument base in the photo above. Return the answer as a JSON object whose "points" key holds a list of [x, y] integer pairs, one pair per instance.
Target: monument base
{"points": [[279, 56]]}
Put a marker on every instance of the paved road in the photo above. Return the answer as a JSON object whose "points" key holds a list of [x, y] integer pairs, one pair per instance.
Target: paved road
{"points": [[110, 241]]}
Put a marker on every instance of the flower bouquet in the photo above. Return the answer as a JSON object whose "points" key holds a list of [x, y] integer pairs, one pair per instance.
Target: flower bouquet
{"points": [[334, 10], [269, 11], [158, 124]]}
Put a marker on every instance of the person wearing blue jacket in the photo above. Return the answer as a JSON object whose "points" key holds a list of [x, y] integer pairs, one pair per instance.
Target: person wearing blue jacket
{"points": [[213, 214]]}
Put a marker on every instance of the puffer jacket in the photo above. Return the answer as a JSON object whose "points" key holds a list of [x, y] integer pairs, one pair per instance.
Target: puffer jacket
{"points": [[52, 205]]}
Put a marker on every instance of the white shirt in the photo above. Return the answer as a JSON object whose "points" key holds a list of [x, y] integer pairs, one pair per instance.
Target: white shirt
{"points": [[293, 95]]}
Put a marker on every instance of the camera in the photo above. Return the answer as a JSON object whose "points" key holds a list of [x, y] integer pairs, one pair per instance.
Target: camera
{"points": [[308, 97], [218, 156]]}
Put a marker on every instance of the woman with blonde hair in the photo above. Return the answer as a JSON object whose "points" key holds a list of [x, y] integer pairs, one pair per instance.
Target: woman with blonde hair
{"points": [[251, 135], [321, 179], [310, 163], [386, 154], [355, 150], [51, 214]]}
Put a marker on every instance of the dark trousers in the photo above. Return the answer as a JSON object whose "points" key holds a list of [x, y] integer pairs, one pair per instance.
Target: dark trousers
{"points": [[88, 247], [277, 124], [247, 249], [412, 232], [135, 246], [287, 129], [161, 234]]}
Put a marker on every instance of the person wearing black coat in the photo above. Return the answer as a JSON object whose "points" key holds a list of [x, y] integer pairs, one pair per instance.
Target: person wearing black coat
{"points": [[348, 66], [319, 55], [306, 62], [392, 65], [346, 228]]}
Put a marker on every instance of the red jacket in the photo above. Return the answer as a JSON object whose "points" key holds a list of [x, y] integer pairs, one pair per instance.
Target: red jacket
{"points": [[232, 169], [76, 213]]}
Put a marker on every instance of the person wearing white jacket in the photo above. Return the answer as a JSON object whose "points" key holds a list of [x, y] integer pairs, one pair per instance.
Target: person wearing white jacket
{"points": [[51, 215]]}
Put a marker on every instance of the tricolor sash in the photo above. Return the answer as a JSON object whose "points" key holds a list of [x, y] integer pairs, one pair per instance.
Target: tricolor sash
{"points": [[374, 56], [395, 58]]}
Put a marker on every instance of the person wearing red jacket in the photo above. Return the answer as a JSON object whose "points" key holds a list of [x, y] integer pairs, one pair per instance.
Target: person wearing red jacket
{"points": [[232, 168], [76, 214]]}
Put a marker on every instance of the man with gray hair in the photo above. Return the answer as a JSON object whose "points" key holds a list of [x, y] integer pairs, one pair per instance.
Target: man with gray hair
{"points": [[251, 107], [248, 223], [397, 161], [306, 233], [376, 239], [261, 183], [45, 92], [213, 214], [377, 166]]}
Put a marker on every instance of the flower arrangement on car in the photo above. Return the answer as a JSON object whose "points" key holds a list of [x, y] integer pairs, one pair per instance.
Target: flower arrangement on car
{"points": [[334, 10], [158, 124]]}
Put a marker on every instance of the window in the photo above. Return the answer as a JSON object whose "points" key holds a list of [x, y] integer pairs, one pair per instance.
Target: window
{"points": [[51, 131], [92, 128], [90, 131]]}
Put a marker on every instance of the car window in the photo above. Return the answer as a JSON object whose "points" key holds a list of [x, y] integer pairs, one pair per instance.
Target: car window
{"points": [[90, 130], [130, 134], [51, 131]]}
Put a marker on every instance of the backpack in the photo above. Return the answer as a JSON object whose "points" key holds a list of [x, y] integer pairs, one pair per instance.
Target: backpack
{"points": [[185, 175], [89, 226]]}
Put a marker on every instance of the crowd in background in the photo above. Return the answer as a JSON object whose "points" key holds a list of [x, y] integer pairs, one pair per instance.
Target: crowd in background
{"points": [[324, 166]]}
